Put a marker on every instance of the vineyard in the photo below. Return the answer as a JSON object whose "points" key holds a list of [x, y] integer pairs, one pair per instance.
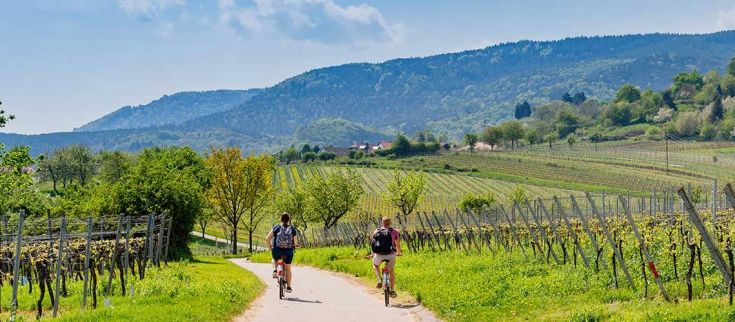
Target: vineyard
{"points": [[662, 246], [444, 191], [71, 258]]}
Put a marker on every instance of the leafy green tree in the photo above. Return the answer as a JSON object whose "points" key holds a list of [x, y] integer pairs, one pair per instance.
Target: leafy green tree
{"points": [[628, 93], [82, 163], [114, 165], [4, 118], [477, 203], [571, 140], [401, 146], [332, 196], [648, 106], [240, 189], [168, 181], [691, 82], [533, 136], [517, 196], [567, 98], [567, 122], [522, 110], [718, 110], [316, 149], [326, 156], [512, 131], [731, 67], [405, 191], [579, 98], [492, 136], [290, 155], [471, 140], [205, 218], [551, 138], [619, 114], [308, 157], [294, 201], [305, 149]]}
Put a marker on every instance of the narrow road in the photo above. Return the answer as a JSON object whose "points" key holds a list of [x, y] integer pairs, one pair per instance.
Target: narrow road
{"points": [[325, 297], [224, 241]]}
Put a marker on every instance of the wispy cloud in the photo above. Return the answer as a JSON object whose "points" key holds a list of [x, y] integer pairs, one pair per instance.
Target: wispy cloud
{"points": [[726, 19], [147, 9], [311, 20]]}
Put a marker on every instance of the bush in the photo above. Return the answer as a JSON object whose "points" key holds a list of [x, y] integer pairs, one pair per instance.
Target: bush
{"points": [[326, 156], [308, 156]]}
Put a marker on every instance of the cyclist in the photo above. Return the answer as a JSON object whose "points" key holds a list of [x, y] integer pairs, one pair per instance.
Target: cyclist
{"points": [[284, 239], [386, 245]]}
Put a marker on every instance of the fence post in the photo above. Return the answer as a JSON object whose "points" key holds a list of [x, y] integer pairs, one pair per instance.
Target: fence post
{"points": [[127, 248], [114, 255], [714, 252], [714, 202], [87, 253], [611, 241], [159, 241], [59, 256], [518, 209], [644, 248], [168, 241], [552, 224], [729, 195], [16, 265], [563, 215], [543, 233]]}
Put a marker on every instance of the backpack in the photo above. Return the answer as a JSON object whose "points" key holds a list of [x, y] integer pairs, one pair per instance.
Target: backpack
{"points": [[382, 241], [284, 237]]}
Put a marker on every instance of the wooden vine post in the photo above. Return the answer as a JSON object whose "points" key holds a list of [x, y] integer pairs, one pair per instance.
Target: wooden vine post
{"points": [[60, 252], [114, 255], [644, 248], [518, 210], [697, 222], [611, 240], [87, 254], [16, 265], [543, 234], [552, 224], [513, 230], [563, 215]]}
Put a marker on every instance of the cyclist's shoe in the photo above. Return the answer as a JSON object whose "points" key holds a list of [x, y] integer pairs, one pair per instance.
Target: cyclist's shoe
{"points": [[275, 274], [380, 284], [288, 289], [393, 294]]}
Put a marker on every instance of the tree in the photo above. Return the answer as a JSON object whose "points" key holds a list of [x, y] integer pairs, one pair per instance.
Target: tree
{"points": [[628, 93], [512, 131], [567, 98], [693, 81], [204, 218], [240, 187], [718, 110], [405, 191], [579, 98], [401, 146], [82, 162], [477, 203], [595, 136], [471, 140], [567, 122], [533, 136], [571, 139], [305, 149], [170, 181], [316, 149], [290, 155], [308, 157], [492, 136], [294, 201], [114, 165], [4, 119], [619, 114], [731, 67], [522, 110], [551, 138], [332, 196]]}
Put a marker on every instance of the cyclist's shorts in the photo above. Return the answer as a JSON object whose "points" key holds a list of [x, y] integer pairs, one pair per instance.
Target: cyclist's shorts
{"points": [[377, 259], [286, 253]]}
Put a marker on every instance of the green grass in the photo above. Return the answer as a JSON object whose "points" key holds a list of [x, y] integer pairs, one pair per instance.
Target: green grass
{"points": [[203, 289], [460, 287]]}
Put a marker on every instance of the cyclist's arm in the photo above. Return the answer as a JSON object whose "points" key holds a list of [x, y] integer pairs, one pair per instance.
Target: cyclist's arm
{"points": [[398, 247], [268, 240], [296, 241]]}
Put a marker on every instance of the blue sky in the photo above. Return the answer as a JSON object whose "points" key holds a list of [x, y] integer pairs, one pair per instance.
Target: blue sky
{"points": [[67, 62]]}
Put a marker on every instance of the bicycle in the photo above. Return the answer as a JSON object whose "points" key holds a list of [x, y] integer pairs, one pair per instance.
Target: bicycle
{"points": [[281, 273], [386, 282]]}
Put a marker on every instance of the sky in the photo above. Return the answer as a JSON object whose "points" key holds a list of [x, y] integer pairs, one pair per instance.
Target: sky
{"points": [[64, 63]]}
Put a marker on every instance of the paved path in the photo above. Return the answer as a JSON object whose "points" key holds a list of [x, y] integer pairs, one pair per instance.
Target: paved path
{"points": [[224, 241], [325, 297]]}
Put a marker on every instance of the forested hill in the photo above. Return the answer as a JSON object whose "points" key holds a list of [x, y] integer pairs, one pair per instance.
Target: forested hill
{"points": [[171, 109], [449, 94]]}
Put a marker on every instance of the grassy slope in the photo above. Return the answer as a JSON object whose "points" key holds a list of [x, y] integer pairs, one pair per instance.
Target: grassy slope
{"points": [[461, 287], [204, 289]]}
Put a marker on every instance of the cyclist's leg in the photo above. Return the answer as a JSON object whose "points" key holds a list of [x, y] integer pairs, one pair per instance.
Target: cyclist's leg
{"points": [[392, 269], [288, 258], [376, 267]]}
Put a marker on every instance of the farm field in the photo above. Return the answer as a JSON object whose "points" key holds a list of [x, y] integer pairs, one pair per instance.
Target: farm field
{"points": [[443, 190]]}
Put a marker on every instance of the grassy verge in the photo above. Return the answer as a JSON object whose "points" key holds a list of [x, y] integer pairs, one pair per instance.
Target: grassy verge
{"points": [[203, 289], [460, 287]]}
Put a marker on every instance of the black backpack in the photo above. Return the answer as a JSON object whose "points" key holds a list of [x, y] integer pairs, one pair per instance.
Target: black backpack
{"points": [[382, 241]]}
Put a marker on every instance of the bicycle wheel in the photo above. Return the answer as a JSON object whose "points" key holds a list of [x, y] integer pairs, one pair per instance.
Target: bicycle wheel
{"points": [[386, 289], [280, 288]]}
